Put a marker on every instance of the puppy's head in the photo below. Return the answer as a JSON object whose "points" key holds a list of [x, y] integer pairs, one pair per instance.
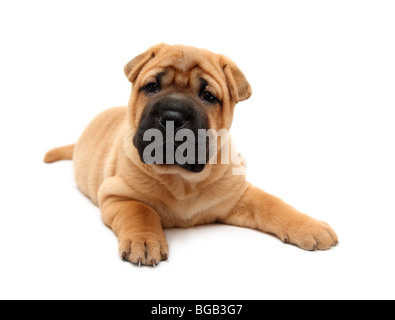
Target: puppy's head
{"points": [[179, 94]]}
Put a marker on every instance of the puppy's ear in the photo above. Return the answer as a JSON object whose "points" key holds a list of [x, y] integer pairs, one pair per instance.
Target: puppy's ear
{"points": [[134, 67], [239, 87]]}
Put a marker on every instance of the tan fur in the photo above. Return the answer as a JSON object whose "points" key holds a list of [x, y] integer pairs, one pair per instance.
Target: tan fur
{"points": [[137, 200], [62, 153]]}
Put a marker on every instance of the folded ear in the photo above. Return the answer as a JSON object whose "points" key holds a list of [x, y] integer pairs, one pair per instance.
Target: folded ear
{"points": [[133, 68], [239, 87]]}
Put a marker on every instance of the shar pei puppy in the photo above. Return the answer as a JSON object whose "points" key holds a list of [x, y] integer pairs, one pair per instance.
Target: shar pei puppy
{"points": [[166, 159]]}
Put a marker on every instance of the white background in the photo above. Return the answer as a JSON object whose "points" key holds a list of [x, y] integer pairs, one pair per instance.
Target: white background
{"points": [[318, 132]]}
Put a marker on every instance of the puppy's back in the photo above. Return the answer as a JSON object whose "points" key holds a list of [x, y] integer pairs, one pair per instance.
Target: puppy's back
{"points": [[93, 149]]}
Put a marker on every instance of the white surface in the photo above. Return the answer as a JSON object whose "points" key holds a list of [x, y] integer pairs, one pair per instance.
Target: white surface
{"points": [[318, 132]]}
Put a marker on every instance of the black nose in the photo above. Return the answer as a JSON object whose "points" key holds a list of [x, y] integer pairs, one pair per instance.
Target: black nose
{"points": [[171, 115]]}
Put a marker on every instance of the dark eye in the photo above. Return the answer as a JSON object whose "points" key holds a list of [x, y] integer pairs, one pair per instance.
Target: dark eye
{"points": [[152, 88], [209, 97]]}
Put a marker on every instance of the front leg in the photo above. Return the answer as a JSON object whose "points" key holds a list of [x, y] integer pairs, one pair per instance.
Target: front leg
{"points": [[260, 210], [140, 234]]}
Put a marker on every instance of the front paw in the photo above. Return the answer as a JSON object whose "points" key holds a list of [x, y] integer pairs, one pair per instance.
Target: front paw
{"points": [[310, 234], [143, 248]]}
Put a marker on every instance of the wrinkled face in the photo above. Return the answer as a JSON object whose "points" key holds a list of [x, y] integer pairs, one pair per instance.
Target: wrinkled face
{"points": [[175, 102], [179, 93]]}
